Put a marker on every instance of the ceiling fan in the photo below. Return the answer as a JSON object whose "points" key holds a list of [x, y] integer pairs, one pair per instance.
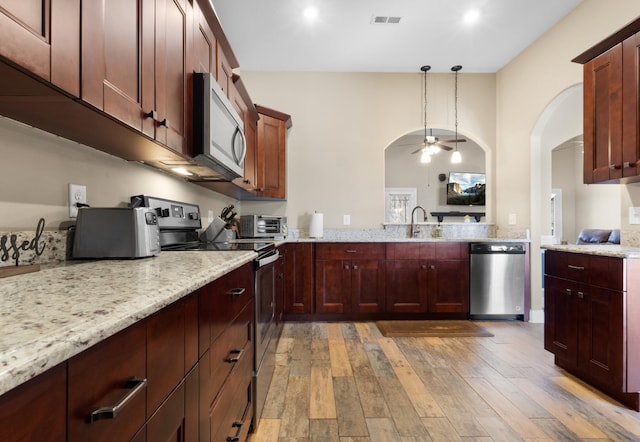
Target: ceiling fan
{"points": [[431, 143]]}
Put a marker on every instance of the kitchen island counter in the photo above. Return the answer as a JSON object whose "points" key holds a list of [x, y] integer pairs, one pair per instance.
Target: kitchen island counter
{"points": [[611, 250], [49, 316]]}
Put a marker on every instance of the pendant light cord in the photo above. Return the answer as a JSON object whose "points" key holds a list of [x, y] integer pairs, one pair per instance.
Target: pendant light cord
{"points": [[455, 69], [425, 69]]}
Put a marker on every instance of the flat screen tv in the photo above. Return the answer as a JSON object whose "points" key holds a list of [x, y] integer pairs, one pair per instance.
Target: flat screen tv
{"points": [[466, 189]]}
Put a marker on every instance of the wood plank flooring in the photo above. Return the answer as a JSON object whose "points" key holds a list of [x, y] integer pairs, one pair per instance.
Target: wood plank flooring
{"points": [[345, 382]]}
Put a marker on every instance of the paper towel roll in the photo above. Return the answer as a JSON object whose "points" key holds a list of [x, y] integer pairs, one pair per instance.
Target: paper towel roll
{"points": [[315, 225]]}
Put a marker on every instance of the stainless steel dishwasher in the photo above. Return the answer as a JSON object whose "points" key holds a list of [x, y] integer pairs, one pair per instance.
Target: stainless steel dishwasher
{"points": [[497, 285]]}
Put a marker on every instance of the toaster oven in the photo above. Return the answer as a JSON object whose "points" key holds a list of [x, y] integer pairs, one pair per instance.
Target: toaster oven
{"points": [[263, 226]]}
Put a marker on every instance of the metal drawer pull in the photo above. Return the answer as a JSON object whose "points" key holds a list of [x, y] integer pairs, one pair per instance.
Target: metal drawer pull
{"points": [[575, 267], [569, 292], [351, 251], [580, 295], [236, 358], [111, 412], [236, 292], [235, 438]]}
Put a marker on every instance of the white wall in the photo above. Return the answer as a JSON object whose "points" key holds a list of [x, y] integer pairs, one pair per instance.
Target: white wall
{"points": [[342, 123], [36, 168]]}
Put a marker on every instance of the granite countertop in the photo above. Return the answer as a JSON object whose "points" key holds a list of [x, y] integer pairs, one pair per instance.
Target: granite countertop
{"points": [[409, 240], [614, 251], [49, 316]]}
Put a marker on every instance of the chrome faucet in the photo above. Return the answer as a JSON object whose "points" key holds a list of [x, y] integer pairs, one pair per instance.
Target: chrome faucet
{"points": [[415, 229]]}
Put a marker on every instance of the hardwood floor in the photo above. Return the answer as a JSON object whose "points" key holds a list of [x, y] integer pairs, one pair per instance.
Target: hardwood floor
{"points": [[346, 382]]}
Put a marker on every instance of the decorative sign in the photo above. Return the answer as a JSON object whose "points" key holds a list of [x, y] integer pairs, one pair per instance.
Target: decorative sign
{"points": [[10, 246]]}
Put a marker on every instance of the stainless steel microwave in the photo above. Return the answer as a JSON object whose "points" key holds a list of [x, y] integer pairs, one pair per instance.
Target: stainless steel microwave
{"points": [[218, 131]]}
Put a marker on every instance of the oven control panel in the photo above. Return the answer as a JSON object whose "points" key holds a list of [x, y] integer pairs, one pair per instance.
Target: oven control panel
{"points": [[171, 214]]}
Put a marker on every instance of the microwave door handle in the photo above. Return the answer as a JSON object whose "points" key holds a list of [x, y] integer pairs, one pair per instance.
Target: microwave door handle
{"points": [[237, 133]]}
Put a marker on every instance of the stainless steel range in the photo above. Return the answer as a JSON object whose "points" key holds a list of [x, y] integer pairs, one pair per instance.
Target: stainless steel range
{"points": [[178, 224]]}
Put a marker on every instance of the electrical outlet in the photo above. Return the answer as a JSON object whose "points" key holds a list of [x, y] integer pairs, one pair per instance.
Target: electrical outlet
{"points": [[77, 194], [513, 220], [346, 219]]}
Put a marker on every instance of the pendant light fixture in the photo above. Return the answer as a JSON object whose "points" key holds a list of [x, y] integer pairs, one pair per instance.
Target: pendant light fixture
{"points": [[455, 155]]}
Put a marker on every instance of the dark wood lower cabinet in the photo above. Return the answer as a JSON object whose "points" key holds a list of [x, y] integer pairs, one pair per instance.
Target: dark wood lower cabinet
{"points": [[586, 320]]}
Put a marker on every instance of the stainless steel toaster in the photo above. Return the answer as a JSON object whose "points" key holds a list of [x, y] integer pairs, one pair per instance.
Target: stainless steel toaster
{"points": [[116, 232]]}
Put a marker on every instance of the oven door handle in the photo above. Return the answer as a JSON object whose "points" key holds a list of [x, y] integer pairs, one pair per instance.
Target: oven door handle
{"points": [[268, 259]]}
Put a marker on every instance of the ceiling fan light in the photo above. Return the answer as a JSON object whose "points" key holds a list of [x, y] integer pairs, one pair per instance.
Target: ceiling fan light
{"points": [[425, 157], [456, 158], [430, 139], [433, 149]]}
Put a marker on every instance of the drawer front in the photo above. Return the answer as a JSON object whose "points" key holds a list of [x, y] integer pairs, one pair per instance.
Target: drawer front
{"points": [[574, 266], [350, 251], [233, 347], [35, 410], [230, 416], [607, 272], [98, 377], [165, 353], [601, 271], [221, 301], [453, 250]]}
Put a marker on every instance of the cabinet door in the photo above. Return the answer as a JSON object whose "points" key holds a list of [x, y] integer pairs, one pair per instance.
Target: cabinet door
{"points": [[600, 335], [35, 410], [203, 51], [406, 290], [42, 36], [271, 157], [118, 60], [560, 321], [448, 286], [631, 106], [333, 286], [171, 73], [367, 286], [603, 117], [298, 295]]}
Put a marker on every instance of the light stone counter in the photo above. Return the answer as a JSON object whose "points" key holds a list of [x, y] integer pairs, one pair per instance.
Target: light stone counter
{"points": [[54, 314], [614, 251]]}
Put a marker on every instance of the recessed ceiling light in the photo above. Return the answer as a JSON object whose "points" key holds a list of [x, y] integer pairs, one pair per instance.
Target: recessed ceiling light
{"points": [[472, 16], [310, 13]]}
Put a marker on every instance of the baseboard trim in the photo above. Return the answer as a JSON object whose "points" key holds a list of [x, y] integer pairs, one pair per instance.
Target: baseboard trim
{"points": [[536, 316]]}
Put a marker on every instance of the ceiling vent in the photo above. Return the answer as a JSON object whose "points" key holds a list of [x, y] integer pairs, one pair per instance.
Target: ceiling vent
{"points": [[382, 20]]}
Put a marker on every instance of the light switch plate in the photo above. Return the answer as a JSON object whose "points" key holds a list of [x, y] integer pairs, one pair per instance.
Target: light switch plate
{"points": [[634, 215], [346, 219]]}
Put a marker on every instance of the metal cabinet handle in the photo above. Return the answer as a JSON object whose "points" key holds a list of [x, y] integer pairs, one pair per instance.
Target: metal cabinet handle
{"points": [[236, 356], [423, 266], [613, 167], [235, 438], [432, 266], [575, 267], [346, 267], [355, 267], [152, 114], [351, 251], [164, 123], [235, 292], [581, 295], [111, 412]]}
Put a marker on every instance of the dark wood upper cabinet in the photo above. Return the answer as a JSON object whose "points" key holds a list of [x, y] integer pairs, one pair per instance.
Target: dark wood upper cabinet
{"points": [[271, 153], [611, 101], [134, 57], [41, 37]]}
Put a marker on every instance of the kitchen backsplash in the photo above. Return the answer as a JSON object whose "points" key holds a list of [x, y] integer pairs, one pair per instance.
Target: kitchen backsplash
{"points": [[56, 243], [52, 246]]}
